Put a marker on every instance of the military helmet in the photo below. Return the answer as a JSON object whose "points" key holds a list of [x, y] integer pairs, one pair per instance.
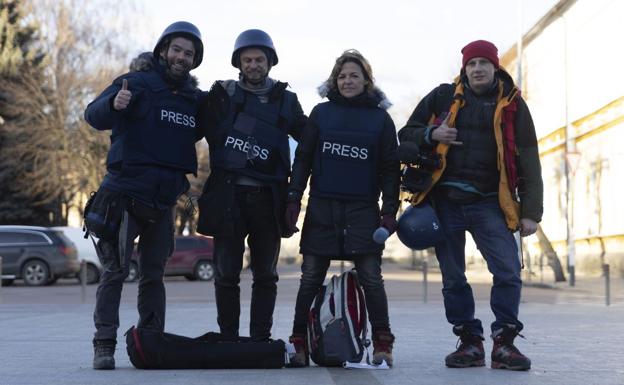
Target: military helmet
{"points": [[419, 227], [183, 29], [254, 38]]}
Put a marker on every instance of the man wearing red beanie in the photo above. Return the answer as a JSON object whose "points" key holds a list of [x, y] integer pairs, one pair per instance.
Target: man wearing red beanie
{"points": [[474, 125]]}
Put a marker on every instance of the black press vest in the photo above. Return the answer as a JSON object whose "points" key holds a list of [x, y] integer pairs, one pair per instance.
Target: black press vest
{"points": [[253, 137], [160, 130], [346, 163]]}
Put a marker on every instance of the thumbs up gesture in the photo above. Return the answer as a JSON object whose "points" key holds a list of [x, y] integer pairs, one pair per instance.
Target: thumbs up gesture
{"points": [[445, 134], [122, 99]]}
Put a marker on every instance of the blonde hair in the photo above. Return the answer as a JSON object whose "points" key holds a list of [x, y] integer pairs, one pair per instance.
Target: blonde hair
{"points": [[352, 56]]}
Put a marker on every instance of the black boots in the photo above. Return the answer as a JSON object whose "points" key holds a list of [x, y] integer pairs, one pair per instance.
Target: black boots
{"points": [[104, 354], [469, 353], [504, 354]]}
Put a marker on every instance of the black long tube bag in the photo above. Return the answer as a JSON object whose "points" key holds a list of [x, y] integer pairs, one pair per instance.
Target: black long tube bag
{"points": [[152, 349]]}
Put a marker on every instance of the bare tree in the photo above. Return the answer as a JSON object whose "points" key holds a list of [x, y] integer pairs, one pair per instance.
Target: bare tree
{"points": [[20, 65], [59, 156]]}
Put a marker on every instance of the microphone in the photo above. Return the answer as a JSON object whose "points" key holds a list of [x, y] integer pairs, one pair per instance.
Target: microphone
{"points": [[380, 235]]}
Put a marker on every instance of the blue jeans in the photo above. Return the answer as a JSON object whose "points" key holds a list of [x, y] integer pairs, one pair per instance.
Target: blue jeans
{"points": [[486, 223], [368, 267]]}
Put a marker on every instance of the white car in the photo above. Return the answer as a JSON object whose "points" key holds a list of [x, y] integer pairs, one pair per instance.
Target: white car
{"points": [[86, 251]]}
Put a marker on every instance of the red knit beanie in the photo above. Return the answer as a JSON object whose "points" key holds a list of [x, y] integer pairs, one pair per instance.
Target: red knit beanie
{"points": [[480, 48]]}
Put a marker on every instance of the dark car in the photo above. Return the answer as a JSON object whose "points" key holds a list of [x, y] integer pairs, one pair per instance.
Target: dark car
{"points": [[192, 258], [37, 255]]}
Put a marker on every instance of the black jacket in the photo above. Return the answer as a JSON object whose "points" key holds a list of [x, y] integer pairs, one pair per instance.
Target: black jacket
{"points": [[343, 229], [217, 206], [438, 102], [153, 139]]}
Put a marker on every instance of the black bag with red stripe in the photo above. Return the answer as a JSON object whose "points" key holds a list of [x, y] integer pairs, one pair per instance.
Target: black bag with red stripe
{"points": [[152, 349]]}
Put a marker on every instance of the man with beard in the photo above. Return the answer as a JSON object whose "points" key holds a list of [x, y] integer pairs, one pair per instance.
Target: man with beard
{"points": [[153, 116], [247, 123]]}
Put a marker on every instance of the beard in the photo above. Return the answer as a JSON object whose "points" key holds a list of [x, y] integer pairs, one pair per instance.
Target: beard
{"points": [[255, 78], [178, 70]]}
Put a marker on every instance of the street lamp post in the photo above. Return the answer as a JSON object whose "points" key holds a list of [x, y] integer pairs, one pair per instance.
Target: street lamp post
{"points": [[571, 161]]}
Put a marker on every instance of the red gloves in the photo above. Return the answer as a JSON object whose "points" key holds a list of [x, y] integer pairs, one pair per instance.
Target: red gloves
{"points": [[389, 222]]}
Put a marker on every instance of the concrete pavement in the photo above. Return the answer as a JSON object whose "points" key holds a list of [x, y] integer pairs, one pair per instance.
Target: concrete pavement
{"points": [[572, 338]]}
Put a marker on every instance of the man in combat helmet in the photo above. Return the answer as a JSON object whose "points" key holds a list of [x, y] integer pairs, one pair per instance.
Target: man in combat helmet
{"points": [[247, 123]]}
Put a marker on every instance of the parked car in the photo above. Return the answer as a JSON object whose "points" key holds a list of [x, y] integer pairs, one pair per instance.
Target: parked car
{"points": [[192, 258], [37, 255], [86, 251]]}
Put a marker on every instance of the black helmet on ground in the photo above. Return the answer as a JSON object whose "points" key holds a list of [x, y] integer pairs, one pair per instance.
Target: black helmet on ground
{"points": [[419, 227], [186, 30], [254, 38]]}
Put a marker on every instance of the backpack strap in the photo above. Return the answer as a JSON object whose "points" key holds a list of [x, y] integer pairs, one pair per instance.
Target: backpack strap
{"points": [[351, 286], [326, 314], [363, 315]]}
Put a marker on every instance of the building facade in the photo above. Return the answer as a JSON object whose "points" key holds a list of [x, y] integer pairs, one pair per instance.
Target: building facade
{"points": [[571, 79]]}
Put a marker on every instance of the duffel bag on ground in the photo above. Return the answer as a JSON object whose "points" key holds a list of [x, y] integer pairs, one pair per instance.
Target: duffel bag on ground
{"points": [[152, 349]]}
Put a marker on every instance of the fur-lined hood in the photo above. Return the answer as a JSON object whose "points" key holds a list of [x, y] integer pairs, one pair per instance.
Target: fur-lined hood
{"points": [[377, 98], [144, 62]]}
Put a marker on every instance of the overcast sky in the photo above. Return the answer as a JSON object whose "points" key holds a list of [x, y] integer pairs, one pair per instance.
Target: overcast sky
{"points": [[413, 45]]}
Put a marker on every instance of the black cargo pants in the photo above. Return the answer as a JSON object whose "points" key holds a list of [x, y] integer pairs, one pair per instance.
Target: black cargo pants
{"points": [[257, 221], [156, 244]]}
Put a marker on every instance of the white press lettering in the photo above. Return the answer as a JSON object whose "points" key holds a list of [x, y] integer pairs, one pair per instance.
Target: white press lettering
{"points": [[239, 143], [345, 150], [177, 118], [245, 147]]}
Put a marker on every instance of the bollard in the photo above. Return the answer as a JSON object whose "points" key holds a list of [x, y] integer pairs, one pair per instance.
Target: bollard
{"points": [[425, 265], [83, 280], [607, 275]]}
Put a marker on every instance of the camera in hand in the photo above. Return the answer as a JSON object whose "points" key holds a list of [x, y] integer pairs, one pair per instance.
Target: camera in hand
{"points": [[420, 165]]}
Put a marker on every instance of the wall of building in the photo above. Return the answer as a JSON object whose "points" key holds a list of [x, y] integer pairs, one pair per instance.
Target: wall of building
{"points": [[571, 76]]}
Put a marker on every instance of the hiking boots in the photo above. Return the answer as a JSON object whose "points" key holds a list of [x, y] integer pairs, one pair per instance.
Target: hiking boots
{"points": [[301, 357], [383, 341], [504, 354], [104, 352], [469, 353]]}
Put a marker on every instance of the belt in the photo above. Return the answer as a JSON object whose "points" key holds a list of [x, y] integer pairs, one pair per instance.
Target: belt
{"points": [[252, 189]]}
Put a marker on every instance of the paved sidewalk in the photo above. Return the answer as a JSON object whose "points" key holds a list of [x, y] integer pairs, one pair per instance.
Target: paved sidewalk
{"points": [[569, 339]]}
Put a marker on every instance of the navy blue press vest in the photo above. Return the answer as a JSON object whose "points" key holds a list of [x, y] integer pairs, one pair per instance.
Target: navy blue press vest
{"points": [[160, 130], [253, 137], [346, 164]]}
